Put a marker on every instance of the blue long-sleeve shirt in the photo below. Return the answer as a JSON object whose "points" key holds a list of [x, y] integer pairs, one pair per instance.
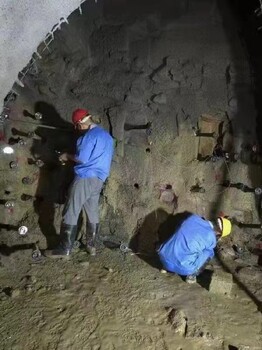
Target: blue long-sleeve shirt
{"points": [[94, 151], [189, 247]]}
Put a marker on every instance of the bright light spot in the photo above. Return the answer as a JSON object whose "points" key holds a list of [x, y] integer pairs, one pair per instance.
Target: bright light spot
{"points": [[8, 150], [22, 230]]}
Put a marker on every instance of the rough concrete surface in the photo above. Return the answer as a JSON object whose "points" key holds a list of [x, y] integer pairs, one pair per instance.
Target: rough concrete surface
{"points": [[24, 26]]}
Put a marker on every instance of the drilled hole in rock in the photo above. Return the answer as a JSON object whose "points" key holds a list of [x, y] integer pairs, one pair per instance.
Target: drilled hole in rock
{"points": [[232, 347], [12, 141], [148, 150], [136, 185], [168, 187], [7, 291]]}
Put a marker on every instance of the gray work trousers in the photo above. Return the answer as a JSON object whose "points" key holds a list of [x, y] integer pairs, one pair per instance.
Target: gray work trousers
{"points": [[84, 192]]}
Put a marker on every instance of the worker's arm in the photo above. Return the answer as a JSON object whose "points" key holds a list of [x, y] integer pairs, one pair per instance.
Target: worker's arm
{"points": [[66, 157], [203, 257], [206, 249], [85, 147]]}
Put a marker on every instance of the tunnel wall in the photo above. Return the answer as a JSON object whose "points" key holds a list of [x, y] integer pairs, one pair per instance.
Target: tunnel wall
{"points": [[162, 67], [24, 26]]}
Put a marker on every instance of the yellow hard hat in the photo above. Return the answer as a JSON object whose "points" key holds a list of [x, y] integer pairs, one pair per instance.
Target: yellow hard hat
{"points": [[225, 226]]}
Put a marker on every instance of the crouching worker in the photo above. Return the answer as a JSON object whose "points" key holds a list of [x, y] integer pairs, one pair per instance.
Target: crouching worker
{"points": [[192, 245], [94, 152]]}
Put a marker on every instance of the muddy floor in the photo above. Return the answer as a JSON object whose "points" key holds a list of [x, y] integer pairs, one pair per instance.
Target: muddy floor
{"points": [[117, 301]]}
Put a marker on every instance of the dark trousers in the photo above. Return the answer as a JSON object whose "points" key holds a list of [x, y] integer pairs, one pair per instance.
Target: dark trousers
{"points": [[83, 193]]}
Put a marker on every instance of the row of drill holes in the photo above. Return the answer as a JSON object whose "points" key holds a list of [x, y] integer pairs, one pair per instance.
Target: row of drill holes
{"points": [[168, 186]]}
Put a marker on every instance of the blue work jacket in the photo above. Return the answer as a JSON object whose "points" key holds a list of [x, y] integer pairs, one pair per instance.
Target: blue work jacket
{"points": [[189, 247], [95, 152]]}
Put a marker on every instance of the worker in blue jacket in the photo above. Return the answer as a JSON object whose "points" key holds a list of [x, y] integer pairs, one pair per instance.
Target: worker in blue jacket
{"points": [[192, 245], [94, 153]]}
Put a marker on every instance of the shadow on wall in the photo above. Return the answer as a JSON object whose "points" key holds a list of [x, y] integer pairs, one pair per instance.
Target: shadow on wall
{"points": [[53, 178], [152, 231], [251, 38], [5, 250], [240, 86]]}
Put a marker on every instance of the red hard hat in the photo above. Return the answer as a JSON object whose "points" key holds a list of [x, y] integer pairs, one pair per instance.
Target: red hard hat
{"points": [[79, 114]]}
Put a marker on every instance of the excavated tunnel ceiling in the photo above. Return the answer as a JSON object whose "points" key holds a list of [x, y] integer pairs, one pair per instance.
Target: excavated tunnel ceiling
{"points": [[23, 27]]}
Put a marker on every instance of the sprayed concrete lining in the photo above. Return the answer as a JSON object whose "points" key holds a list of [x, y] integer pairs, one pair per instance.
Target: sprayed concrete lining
{"points": [[24, 26]]}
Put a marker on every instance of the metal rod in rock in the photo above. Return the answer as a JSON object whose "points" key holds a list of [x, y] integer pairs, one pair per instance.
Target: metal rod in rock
{"points": [[258, 226], [42, 125], [205, 134]]}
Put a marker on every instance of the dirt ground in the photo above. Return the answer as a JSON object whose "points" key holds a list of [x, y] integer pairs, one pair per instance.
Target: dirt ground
{"points": [[117, 301]]}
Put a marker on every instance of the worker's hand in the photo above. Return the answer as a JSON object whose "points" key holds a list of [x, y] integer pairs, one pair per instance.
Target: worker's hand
{"points": [[63, 157]]}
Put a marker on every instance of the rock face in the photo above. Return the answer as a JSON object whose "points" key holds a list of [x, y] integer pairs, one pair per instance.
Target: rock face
{"points": [[133, 64]]}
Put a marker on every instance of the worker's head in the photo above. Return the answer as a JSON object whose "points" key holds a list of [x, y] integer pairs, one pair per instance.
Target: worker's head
{"points": [[82, 119], [223, 227]]}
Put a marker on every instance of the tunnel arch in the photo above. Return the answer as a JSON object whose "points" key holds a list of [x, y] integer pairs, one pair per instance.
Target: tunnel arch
{"points": [[23, 28]]}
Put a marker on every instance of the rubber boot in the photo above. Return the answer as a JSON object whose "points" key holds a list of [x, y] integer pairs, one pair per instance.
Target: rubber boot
{"points": [[91, 235], [67, 239]]}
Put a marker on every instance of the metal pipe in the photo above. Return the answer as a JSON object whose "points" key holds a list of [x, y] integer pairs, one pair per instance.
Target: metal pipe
{"points": [[13, 165], [29, 134], [40, 125], [30, 180], [19, 141], [243, 187], [240, 224], [7, 203], [27, 180], [29, 198], [204, 134], [38, 162], [21, 230]]}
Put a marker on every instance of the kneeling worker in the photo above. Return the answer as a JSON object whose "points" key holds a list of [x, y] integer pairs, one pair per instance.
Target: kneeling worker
{"points": [[192, 245], [94, 152]]}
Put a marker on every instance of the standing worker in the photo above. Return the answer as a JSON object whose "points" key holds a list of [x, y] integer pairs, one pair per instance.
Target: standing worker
{"points": [[94, 152], [192, 245]]}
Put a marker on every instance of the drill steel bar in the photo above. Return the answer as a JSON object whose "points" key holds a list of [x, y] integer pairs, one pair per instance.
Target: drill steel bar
{"points": [[243, 187], [258, 226], [41, 125], [205, 134]]}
